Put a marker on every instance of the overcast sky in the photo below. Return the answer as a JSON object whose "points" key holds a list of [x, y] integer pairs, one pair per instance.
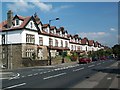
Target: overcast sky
{"points": [[95, 20]]}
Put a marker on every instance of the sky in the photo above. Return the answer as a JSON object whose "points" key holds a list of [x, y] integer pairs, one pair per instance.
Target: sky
{"points": [[95, 20]]}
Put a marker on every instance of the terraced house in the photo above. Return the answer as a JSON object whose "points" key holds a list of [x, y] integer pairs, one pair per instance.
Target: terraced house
{"points": [[24, 37]]}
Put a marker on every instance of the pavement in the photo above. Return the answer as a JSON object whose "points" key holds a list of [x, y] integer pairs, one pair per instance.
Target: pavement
{"points": [[108, 77]]}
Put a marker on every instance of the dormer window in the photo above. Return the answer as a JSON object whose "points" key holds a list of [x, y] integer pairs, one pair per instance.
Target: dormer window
{"points": [[17, 21]]}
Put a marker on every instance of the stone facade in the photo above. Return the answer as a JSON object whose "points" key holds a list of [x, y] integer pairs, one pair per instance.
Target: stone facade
{"points": [[11, 55]]}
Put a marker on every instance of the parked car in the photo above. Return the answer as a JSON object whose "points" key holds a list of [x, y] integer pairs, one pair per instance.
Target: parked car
{"points": [[85, 60], [103, 58], [95, 58]]}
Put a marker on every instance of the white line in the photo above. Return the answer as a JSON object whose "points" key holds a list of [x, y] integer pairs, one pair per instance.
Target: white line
{"points": [[55, 69], [23, 76], [44, 72], [49, 71], [54, 76], [41, 73], [109, 78], [36, 74], [30, 75], [78, 69], [91, 65], [98, 63], [15, 76], [15, 86], [52, 70], [61, 68]]}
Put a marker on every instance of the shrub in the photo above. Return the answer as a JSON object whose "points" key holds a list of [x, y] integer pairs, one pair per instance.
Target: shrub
{"points": [[74, 57]]}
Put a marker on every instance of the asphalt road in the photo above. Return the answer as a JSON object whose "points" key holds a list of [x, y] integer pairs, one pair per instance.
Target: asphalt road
{"points": [[55, 77]]}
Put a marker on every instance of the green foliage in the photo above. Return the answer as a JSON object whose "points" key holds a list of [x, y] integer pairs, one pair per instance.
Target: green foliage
{"points": [[116, 50], [100, 53], [74, 56]]}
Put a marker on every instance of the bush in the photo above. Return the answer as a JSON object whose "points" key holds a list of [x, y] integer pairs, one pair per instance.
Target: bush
{"points": [[74, 57]]}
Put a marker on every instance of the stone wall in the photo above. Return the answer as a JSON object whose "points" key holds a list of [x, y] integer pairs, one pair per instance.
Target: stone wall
{"points": [[42, 53], [28, 46], [11, 55]]}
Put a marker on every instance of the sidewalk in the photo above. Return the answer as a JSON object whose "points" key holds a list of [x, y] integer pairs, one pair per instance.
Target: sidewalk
{"points": [[94, 81]]}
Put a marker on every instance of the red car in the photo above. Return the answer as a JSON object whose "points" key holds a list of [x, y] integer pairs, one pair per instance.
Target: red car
{"points": [[85, 60], [103, 58]]}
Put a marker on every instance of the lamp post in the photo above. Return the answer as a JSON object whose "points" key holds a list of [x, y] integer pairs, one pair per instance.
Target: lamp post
{"points": [[10, 61], [57, 18], [50, 45]]}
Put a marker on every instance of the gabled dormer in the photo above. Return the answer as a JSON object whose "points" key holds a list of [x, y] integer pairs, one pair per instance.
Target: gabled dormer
{"points": [[46, 28], [31, 24], [66, 33], [18, 20], [79, 40], [38, 21], [53, 29]]}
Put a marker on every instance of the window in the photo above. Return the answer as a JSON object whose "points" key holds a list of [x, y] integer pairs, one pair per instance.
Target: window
{"points": [[46, 30], [41, 40], [17, 21], [56, 43], [29, 52], [51, 31], [30, 38], [50, 42], [86, 48], [66, 44], [31, 25], [61, 43], [75, 47], [3, 53], [3, 39], [71, 47], [78, 47]]}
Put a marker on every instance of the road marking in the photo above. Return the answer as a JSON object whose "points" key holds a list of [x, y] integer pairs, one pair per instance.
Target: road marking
{"points": [[15, 86], [52, 70], [109, 78], [30, 75], [49, 71], [98, 63], [15, 76], [36, 74], [91, 65], [41, 73], [23, 76], [55, 69], [54, 76], [78, 69], [67, 67], [60, 68], [44, 72]]}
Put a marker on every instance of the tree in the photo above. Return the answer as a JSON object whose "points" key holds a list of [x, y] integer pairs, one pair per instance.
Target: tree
{"points": [[116, 50]]}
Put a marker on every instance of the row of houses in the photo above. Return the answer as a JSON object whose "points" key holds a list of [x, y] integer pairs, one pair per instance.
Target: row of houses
{"points": [[22, 37]]}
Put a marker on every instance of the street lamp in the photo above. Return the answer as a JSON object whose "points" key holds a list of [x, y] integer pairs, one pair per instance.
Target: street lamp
{"points": [[50, 45], [10, 55], [57, 18]]}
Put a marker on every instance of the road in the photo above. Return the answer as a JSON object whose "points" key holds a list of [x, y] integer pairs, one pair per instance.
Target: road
{"points": [[58, 77]]}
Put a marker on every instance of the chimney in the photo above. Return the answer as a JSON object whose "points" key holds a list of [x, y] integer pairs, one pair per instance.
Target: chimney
{"points": [[9, 18]]}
